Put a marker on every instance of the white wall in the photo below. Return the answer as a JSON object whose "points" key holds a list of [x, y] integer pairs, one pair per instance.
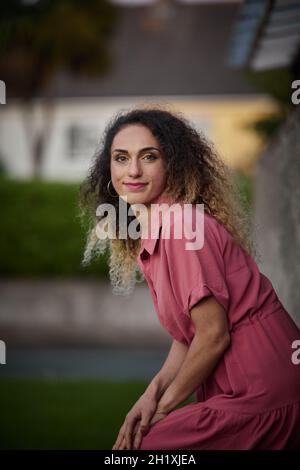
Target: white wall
{"points": [[67, 158]]}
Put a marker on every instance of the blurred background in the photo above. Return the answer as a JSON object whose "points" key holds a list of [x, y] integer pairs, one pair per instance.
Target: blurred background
{"points": [[74, 357]]}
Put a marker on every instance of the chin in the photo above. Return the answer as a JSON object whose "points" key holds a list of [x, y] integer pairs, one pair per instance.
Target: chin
{"points": [[135, 199]]}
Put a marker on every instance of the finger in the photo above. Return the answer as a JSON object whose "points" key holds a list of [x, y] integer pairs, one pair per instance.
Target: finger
{"points": [[136, 427], [120, 445], [115, 446], [118, 442], [142, 429], [128, 432], [133, 434], [144, 424], [137, 439], [137, 433], [119, 438], [123, 444]]}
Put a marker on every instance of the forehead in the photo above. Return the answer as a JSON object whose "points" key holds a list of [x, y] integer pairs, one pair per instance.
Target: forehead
{"points": [[134, 136]]}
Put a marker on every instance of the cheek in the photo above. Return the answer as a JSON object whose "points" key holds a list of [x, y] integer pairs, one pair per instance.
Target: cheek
{"points": [[116, 172], [158, 173]]}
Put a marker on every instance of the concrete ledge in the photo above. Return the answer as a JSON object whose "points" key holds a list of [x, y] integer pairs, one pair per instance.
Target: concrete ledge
{"points": [[79, 313]]}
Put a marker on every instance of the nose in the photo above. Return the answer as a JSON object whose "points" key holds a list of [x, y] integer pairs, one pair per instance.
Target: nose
{"points": [[134, 168]]}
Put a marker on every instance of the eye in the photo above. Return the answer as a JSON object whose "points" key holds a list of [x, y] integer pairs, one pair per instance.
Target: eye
{"points": [[149, 156], [120, 156], [154, 157]]}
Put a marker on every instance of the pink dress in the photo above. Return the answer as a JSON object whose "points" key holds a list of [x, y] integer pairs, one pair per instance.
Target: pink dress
{"points": [[252, 398]]}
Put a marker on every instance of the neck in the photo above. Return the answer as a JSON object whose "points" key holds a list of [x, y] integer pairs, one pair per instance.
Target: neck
{"points": [[144, 218]]}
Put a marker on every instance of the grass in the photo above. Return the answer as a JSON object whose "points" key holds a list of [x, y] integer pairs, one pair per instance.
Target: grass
{"points": [[65, 414]]}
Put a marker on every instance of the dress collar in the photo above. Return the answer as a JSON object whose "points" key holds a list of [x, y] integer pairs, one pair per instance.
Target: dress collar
{"points": [[149, 243]]}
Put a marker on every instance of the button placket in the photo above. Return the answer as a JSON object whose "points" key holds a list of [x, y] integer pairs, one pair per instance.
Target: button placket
{"points": [[153, 293]]}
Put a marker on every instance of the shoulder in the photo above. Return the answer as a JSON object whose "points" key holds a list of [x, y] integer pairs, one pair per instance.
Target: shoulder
{"points": [[195, 266]]}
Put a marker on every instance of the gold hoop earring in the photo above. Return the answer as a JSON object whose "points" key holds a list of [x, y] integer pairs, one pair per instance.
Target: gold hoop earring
{"points": [[112, 195]]}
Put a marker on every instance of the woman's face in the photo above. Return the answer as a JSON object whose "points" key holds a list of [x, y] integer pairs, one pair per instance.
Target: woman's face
{"points": [[136, 158]]}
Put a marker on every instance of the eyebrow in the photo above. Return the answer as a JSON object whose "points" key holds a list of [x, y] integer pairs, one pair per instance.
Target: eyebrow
{"points": [[142, 150]]}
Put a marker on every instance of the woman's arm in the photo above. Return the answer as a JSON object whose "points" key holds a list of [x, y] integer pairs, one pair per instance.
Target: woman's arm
{"points": [[210, 341], [164, 377], [151, 397]]}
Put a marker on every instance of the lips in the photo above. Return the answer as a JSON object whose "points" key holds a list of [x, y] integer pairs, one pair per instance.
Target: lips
{"points": [[135, 185]]}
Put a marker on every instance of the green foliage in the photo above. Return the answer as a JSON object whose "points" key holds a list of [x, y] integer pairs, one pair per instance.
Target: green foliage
{"points": [[39, 38], [277, 84], [244, 184], [266, 126], [3, 170], [274, 82], [40, 231], [65, 414]]}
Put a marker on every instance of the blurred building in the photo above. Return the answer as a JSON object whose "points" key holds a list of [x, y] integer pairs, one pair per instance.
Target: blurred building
{"points": [[267, 37], [163, 53]]}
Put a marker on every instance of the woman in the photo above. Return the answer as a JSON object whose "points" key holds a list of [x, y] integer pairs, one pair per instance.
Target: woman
{"points": [[232, 337]]}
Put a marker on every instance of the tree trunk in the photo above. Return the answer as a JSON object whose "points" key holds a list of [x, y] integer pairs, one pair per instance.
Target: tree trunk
{"points": [[38, 122]]}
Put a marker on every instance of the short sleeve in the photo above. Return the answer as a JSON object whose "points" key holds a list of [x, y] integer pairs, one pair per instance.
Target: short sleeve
{"points": [[197, 273]]}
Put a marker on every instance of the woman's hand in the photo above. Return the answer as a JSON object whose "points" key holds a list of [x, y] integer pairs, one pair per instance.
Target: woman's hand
{"points": [[137, 432], [136, 423], [122, 445], [138, 437]]}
